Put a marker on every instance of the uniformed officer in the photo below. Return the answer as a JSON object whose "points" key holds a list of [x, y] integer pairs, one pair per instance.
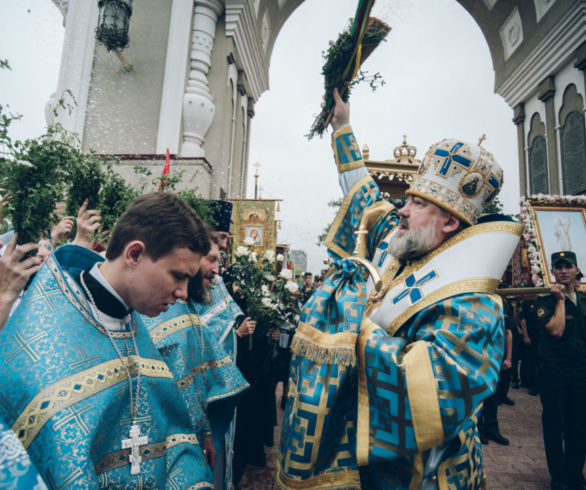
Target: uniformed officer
{"points": [[562, 374]]}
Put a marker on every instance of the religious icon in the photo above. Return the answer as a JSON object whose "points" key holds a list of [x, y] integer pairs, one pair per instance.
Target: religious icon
{"points": [[255, 233]]}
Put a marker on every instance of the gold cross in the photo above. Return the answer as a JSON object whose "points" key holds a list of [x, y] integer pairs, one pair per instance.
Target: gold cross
{"points": [[85, 360], [41, 292], [481, 139], [74, 414], [359, 234], [26, 347]]}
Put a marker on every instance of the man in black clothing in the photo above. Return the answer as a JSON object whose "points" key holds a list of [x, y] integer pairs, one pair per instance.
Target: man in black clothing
{"points": [[488, 425], [562, 374], [531, 334]]}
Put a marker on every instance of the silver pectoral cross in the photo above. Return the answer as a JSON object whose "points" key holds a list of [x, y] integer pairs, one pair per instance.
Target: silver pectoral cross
{"points": [[134, 443]]}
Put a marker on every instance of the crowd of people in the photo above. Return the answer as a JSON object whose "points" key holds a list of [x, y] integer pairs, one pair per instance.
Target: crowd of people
{"points": [[139, 367]]}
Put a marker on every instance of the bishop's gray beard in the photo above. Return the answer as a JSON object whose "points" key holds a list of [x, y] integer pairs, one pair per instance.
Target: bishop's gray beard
{"points": [[413, 243]]}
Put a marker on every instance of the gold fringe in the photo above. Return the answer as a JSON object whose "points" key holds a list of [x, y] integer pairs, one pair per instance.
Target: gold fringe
{"points": [[328, 481], [344, 355]]}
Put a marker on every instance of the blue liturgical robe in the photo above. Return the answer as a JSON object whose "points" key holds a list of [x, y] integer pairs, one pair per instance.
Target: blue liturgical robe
{"points": [[16, 470], [221, 316], [205, 373], [65, 392], [393, 404]]}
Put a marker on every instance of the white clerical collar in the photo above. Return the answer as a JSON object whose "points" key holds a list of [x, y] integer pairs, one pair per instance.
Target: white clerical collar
{"points": [[110, 322], [98, 276]]}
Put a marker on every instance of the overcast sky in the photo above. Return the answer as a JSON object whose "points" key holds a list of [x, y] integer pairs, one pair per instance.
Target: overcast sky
{"points": [[439, 84]]}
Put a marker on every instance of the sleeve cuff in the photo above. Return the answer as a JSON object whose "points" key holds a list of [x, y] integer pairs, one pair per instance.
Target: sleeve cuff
{"points": [[346, 151]]}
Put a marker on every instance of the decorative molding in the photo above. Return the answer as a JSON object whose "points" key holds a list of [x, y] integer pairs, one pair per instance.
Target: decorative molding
{"points": [[256, 7], [511, 33], [241, 27], [265, 31], [174, 79], [198, 105], [76, 65], [63, 6], [232, 82], [490, 3], [547, 57], [541, 7]]}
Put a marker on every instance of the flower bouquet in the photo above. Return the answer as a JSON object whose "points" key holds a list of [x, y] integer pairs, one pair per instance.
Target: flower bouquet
{"points": [[270, 299]]}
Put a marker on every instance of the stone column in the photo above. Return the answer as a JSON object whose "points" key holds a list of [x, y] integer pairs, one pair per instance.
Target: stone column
{"points": [[519, 120], [545, 95], [198, 104]]}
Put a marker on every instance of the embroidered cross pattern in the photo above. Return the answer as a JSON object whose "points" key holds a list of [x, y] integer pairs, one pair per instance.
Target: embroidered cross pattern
{"points": [[413, 287], [452, 157]]}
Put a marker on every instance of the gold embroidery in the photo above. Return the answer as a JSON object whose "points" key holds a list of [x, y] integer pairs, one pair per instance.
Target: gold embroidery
{"points": [[172, 326], [363, 422], [348, 479], [329, 241], [77, 387], [423, 397], [480, 285], [151, 451], [73, 293], [187, 380]]}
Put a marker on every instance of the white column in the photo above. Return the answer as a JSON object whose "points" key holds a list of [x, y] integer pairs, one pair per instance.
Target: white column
{"points": [[76, 65], [198, 104], [175, 73]]}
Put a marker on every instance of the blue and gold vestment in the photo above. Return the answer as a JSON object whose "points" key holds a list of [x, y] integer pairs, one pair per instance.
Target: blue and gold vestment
{"points": [[393, 404], [205, 373], [221, 315], [16, 470], [65, 393]]}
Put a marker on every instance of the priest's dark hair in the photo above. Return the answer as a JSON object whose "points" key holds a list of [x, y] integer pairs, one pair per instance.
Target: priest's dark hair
{"points": [[162, 221]]}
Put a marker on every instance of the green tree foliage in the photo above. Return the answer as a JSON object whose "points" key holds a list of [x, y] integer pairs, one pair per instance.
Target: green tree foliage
{"points": [[205, 208], [494, 207]]}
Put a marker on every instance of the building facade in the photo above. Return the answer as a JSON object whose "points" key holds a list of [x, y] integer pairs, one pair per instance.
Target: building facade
{"points": [[199, 66]]}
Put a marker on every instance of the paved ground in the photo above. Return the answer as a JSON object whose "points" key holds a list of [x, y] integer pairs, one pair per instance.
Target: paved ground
{"points": [[519, 466]]}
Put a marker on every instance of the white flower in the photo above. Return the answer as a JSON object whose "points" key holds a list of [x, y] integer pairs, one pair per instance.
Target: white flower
{"points": [[265, 290], [253, 257], [248, 241], [241, 252], [292, 287], [279, 258], [270, 256], [286, 274], [267, 302]]}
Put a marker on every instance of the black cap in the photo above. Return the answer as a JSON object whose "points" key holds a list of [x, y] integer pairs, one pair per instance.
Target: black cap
{"points": [[566, 256], [223, 215]]}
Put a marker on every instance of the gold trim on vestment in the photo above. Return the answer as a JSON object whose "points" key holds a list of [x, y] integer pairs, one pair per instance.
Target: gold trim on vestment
{"points": [[174, 325], [390, 281], [416, 472], [328, 242], [423, 396], [200, 368], [77, 387], [72, 291], [324, 347], [339, 480], [474, 285], [155, 450], [363, 419], [344, 167], [369, 217]]}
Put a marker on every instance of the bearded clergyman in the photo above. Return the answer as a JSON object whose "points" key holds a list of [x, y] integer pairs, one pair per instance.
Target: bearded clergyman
{"points": [[388, 374]]}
